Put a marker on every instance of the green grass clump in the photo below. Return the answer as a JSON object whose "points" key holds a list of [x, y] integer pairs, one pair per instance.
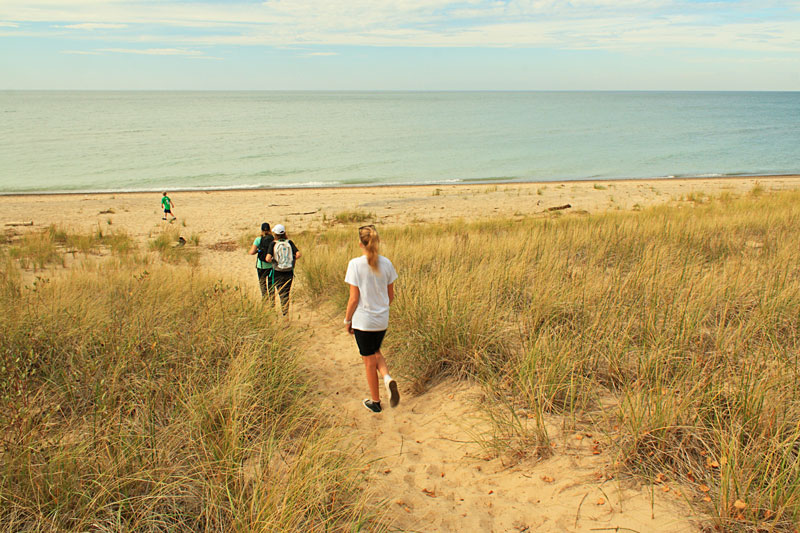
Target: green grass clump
{"points": [[675, 332], [36, 250], [353, 216], [246, 240], [137, 400], [167, 244], [39, 249]]}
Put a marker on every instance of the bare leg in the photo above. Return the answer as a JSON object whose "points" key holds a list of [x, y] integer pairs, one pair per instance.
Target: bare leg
{"points": [[371, 368], [381, 364]]}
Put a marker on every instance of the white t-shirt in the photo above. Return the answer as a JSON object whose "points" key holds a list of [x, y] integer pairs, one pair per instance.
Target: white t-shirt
{"points": [[372, 313]]}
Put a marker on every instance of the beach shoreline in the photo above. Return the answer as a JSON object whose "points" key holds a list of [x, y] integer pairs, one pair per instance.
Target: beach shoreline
{"points": [[455, 183], [221, 221], [225, 215]]}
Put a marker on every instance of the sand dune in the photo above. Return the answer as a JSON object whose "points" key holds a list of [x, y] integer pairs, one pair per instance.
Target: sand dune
{"points": [[434, 477], [426, 463]]}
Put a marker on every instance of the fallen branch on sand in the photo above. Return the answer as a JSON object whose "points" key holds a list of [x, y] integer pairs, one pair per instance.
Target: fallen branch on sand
{"points": [[305, 212], [559, 207], [20, 223]]}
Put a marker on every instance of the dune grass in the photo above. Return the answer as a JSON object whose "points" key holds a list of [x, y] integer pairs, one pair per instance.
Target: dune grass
{"points": [[37, 250], [171, 250], [159, 400], [674, 331], [352, 216]]}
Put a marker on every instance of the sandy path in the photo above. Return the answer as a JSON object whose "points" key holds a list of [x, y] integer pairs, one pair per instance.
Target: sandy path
{"points": [[435, 477]]}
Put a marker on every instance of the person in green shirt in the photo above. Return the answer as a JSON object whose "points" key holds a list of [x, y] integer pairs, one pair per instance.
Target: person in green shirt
{"points": [[167, 204], [266, 278]]}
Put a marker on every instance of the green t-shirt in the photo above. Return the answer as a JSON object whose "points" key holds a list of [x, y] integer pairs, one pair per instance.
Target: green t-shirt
{"points": [[165, 203], [259, 263]]}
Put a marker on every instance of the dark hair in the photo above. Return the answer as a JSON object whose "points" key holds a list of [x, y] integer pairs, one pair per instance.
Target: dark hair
{"points": [[368, 236], [265, 226]]}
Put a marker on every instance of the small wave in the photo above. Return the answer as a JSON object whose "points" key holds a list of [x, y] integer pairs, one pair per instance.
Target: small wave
{"points": [[304, 185]]}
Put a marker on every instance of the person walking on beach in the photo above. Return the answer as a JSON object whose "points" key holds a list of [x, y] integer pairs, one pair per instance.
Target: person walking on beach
{"points": [[371, 278], [167, 204], [282, 253], [263, 267]]}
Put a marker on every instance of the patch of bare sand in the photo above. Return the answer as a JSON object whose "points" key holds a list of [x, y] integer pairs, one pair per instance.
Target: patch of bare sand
{"points": [[426, 463]]}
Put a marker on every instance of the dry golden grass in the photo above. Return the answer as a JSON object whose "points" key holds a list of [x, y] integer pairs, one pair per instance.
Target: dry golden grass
{"points": [[674, 331], [155, 400]]}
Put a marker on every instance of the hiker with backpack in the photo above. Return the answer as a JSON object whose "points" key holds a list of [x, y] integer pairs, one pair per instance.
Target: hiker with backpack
{"points": [[263, 267], [283, 253], [371, 278]]}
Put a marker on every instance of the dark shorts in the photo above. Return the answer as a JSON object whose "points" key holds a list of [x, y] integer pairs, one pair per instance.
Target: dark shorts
{"points": [[167, 211], [369, 342]]}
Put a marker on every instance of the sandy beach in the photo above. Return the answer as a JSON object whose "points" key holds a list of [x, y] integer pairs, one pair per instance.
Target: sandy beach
{"points": [[221, 218], [221, 215], [426, 463]]}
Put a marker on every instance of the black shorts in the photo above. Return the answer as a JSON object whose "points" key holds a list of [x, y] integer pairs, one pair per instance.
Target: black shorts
{"points": [[167, 211], [369, 342]]}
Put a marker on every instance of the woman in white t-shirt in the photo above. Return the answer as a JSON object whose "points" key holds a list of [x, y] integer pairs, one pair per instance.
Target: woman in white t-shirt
{"points": [[371, 278]]}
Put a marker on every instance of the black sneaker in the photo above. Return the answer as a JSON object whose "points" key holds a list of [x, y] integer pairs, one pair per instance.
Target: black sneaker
{"points": [[394, 396], [375, 407]]}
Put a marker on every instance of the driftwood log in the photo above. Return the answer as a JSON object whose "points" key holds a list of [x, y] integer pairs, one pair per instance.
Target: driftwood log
{"points": [[20, 223], [559, 207]]}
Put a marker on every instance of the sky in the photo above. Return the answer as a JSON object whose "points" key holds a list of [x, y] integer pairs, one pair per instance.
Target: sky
{"points": [[400, 45]]}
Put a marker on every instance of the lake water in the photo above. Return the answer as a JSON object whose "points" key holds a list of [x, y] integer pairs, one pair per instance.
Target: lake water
{"points": [[149, 141]]}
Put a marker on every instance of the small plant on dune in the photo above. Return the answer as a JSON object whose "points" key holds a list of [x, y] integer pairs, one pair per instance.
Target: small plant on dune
{"points": [[349, 217], [513, 433], [170, 249], [57, 234], [757, 189], [696, 197], [120, 242], [246, 240], [600, 187], [164, 240], [36, 250]]}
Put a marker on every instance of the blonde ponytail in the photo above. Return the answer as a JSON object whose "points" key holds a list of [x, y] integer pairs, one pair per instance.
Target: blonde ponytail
{"points": [[368, 236]]}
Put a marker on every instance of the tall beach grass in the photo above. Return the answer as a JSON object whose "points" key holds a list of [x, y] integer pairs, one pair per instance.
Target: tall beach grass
{"points": [[674, 331], [155, 399]]}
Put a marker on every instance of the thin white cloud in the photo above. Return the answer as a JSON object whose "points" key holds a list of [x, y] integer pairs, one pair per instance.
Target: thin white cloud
{"points": [[321, 54], [153, 51], [80, 52], [95, 26], [8, 25]]}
